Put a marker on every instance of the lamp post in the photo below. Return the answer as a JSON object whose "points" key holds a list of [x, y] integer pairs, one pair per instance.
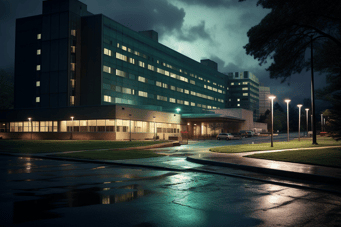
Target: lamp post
{"points": [[287, 101], [72, 126], [299, 121], [307, 124], [272, 97], [154, 129], [130, 125], [321, 123], [29, 119]]}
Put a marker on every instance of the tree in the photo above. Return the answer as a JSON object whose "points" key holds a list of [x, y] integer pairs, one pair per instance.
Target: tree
{"points": [[333, 120], [286, 32], [6, 90]]}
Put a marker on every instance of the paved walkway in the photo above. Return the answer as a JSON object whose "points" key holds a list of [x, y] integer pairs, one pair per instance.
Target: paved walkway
{"points": [[206, 161]]}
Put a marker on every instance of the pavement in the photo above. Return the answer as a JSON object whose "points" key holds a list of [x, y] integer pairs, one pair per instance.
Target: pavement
{"points": [[235, 165]]}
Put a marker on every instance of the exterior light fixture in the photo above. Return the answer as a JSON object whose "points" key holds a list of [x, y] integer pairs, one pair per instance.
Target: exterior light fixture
{"points": [[178, 110], [299, 121], [29, 119], [307, 124], [272, 97], [287, 101]]}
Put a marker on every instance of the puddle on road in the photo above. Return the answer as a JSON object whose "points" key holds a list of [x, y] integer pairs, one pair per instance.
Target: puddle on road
{"points": [[24, 211]]}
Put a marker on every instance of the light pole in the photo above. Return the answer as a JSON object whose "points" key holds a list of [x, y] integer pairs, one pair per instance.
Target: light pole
{"points": [[321, 123], [72, 126], [29, 119], [154, 129], [287, 101], [130, 125], [307, 124], [299, 121], [272, 97]]}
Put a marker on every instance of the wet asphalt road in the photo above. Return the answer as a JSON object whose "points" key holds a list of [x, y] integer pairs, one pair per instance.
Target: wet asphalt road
{"points": [[36, 192]]}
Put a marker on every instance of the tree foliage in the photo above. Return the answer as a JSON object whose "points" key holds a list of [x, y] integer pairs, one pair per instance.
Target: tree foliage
{"points": [[6, 90], [286, 32]]}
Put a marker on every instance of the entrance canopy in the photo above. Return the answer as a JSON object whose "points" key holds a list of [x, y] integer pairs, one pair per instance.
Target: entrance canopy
{"points": [[210, 118]]}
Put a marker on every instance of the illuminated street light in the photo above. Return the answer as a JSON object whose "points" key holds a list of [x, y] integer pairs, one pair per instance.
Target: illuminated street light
{"points": [[287, 101], [72, 126], [130, 125], [307, 124], [154, 129], [29, 119], [272, 97], [299, 121], [178, 110]]}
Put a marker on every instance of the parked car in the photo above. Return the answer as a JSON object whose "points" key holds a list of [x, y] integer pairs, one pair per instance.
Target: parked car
{"points": [[245, 133], [237, 135], [225, 136]]}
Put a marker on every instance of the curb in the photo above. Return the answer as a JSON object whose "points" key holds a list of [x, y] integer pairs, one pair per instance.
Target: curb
{"points": [[300, 176]]}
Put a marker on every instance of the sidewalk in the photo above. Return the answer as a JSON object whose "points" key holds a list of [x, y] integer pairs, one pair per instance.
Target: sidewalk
{"points": [[322, 174]]}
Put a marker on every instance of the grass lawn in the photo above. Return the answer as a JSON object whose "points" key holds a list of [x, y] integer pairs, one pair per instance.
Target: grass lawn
{"points": [[322, 141], [46, 146], [111, 154], [325, 157]]}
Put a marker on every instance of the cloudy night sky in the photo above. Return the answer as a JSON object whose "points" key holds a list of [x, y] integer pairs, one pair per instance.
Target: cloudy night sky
{"points": [[199, 29]]}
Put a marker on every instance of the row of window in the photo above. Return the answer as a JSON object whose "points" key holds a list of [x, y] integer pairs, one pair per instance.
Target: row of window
{"points": [[151, 67], [107, 125]]}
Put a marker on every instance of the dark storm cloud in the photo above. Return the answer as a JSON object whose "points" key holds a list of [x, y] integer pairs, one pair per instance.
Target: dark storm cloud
{"points": [[160, 15], [194, 33], [217, 3]]}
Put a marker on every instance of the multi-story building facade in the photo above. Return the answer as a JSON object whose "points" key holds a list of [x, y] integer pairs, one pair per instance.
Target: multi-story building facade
{"points": [[264, 101], [243, 88], [69, 61]]}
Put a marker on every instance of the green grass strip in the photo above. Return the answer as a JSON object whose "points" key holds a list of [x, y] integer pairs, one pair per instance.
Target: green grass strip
{"points": [[325, 157], [47, 146], [111, 154], [322, 141]]}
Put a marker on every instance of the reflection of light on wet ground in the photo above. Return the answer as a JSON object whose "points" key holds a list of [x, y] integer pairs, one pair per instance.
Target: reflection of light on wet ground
{"points": [[99, 167]]}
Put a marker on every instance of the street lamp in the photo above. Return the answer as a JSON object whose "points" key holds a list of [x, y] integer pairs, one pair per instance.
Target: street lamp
{"points": [[322, 123], [178, 110], [154, 129], [72, 126], [29, 119], [272, 97], [307, 124], [287, 101], [299, 121], [130, 125]]}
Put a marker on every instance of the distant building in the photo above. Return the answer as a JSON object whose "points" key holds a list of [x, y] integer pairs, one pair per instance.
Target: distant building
{"points": [[264, 101], [244, 92]]}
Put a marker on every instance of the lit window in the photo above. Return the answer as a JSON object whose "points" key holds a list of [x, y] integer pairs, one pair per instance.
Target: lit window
{"points": [[37, 99], [150, 67], [124, 48], [232, 83], [172, 100], [129, 50], [192, 82], [73, 49], [162, 98], [141, 64], [172, 88], [121, 56], [132, 60], [192, 103], [159, 84], [72, 100], [73, 32], [107, 52], [186, 103], [121, 73], [245, 88], [38, 36], [106, 69], [38, 67], [165, 85], [37, 83], [141, 79], [118, 45], [186, 91], [245, 83], [72, 82], [39, 52], [238, 104], [245, 94], [143, 94], [73, 66], [107, 98], [166, 73]]}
